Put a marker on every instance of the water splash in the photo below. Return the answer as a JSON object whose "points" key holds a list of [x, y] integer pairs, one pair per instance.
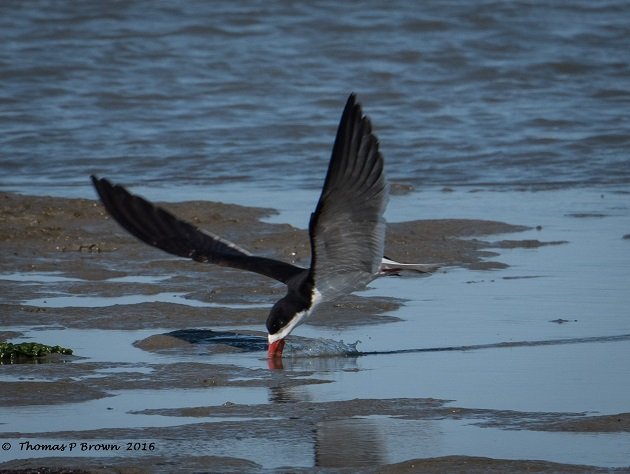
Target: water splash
{"points": [[297, 347], [320, 347]]}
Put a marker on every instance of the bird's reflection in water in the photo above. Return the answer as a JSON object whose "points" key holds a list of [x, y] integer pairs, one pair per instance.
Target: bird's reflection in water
{"points": [[281, 394], [350, 442]]}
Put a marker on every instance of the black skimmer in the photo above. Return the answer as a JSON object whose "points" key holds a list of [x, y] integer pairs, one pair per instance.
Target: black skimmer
{"points": [[347, 231]]}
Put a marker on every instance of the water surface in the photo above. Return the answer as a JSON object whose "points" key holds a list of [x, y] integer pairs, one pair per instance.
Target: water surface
{"points": [[518, 93]]}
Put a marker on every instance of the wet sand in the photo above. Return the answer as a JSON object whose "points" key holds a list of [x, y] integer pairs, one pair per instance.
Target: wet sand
{"points": [[75, 239]]}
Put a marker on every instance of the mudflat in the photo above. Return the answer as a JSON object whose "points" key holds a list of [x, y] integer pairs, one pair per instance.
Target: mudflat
{"points": [[55, 248]]}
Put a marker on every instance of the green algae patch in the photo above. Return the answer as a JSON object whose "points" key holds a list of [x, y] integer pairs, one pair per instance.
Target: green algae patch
{"points": [[13, 353]]}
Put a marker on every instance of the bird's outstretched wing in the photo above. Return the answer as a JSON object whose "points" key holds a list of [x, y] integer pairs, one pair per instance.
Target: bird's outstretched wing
{"points": [[159, 228], [347, 229]]}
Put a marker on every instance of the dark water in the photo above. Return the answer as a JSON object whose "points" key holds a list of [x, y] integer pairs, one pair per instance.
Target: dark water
{"points": [[500, 93]]}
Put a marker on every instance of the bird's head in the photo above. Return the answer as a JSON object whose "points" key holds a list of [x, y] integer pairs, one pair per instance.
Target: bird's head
{"points": [[287, 313]]}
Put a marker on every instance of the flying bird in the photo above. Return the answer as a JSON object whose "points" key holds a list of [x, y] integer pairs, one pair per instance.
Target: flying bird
{"points": [[347, 231]]}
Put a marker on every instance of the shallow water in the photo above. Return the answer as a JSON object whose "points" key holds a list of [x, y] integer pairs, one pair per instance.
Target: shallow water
{"points": [[385, 440], [117, 411], [100, 301], [548, 334], [381, 440]]}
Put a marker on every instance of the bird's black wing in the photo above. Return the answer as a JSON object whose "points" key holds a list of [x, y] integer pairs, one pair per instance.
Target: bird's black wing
{"points": [[159, 228], [347, 229]]}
